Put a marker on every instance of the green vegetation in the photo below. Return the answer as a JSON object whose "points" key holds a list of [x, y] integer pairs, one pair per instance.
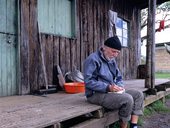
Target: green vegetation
{"points": [[156, 107], [162, 75], [167, 97]]}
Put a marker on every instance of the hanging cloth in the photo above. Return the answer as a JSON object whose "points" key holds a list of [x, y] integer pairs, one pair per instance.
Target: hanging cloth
{"points": [[161, 25], [112, 22]]}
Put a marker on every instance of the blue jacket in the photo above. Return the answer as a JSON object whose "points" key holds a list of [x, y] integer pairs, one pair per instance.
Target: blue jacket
{"points": [[99, 73]]}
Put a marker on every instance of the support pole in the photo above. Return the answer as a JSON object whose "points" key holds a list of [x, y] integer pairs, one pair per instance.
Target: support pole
{"points": [[150, 53]]}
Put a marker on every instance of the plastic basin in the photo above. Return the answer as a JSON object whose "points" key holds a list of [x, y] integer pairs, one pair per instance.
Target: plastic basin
{"points": [[74, 87]]}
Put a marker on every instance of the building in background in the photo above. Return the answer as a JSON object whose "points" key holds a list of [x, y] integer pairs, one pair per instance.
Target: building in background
{"points": [[162, 61]]}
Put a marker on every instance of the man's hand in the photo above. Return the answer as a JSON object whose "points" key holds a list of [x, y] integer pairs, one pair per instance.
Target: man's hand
{"points": [[115, 88]]}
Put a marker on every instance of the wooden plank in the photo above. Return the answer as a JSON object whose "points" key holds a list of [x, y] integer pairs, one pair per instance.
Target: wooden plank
{"points": [[107, 7], [94, 25], [153, 98], [49, 58], [43, 57], [34, 47], [24, 47], [56, 51], [73, 55], [101, 22], [132, 60], [109, 118], [105, 21], [84, 33], [78, 33], [42, 76], [62, 54], [130, 73], [67, 55], [98, 24], [93, 123], [90, 27]]}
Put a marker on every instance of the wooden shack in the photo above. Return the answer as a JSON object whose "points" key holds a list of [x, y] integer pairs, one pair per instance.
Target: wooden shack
{"points": [[68, 31], [162, 60]]}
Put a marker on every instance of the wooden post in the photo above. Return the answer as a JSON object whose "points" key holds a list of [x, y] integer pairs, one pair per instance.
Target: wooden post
{"points": [[150, 53], [163, 99]]}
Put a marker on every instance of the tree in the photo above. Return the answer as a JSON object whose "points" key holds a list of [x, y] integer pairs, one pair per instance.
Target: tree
{"points": [[164, 10]]}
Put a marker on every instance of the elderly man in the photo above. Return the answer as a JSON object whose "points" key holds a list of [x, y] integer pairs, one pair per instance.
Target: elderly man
{"points": [[104, 85]]}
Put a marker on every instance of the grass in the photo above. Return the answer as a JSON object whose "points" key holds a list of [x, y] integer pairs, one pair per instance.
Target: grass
{"points": [[167, 97], [162, 75], [156, 107]]}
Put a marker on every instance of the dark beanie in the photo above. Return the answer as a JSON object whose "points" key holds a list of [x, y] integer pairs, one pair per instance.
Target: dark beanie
{"points": [[113, 42]]}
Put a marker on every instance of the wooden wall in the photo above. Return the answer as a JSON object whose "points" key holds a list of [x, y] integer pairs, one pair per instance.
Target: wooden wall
{"points": [[91, 29], [162, 61]]}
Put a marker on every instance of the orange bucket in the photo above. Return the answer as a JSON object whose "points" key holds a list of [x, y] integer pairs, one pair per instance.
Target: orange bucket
{"points": [[74, 87]]}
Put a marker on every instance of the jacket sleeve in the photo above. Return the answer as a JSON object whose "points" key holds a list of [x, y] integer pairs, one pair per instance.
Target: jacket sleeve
{"points": [[91, 78], [119, 80]]}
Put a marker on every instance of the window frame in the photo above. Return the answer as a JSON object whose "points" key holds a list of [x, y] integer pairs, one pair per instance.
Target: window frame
{"points": [[120, 29]]}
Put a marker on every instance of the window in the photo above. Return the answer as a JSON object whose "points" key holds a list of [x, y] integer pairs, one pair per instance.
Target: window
{"points": [[122, 31], [57, 17]]}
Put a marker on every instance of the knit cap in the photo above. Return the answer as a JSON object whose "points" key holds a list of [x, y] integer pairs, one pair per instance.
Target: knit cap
{"points": [[113, 42]]}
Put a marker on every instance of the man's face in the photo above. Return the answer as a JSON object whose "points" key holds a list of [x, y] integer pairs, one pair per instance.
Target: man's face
{"points": [[110, 53]]}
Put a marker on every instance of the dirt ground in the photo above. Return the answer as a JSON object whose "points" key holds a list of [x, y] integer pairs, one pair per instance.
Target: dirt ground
{"points": [[158, 120]]}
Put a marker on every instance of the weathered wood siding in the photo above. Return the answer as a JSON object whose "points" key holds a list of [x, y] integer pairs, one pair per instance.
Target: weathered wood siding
{"points": [[91, 31]]}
